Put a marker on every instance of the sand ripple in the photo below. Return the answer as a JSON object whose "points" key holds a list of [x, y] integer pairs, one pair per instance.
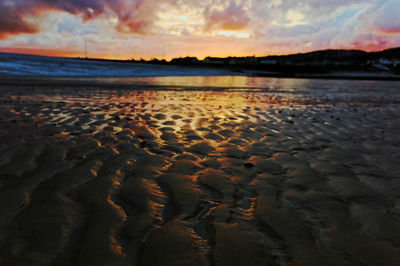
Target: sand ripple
{"points": [[127, 177]]}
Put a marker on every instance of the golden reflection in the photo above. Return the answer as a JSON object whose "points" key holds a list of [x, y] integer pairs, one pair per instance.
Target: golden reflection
{"points": [[117, 249], [153, 188], [217, 92], [93, 172], [224, 82], [203, 81], [116, 207]]}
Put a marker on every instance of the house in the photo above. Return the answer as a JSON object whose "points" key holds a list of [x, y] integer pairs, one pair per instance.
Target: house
{"points": [[383, 64], [185, 60], [214, 60], [268, 61]]}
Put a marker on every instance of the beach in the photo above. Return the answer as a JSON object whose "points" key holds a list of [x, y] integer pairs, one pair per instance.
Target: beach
{"points": [[200, 171]]}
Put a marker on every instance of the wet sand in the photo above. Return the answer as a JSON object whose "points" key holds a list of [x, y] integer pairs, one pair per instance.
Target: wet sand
{"points": [[97, 176]]}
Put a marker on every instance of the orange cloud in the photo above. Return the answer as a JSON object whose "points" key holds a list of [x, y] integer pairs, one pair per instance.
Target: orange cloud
{"points": [[395, 30], [371, 43], [11, 23], [134, 16], [232, 18]]}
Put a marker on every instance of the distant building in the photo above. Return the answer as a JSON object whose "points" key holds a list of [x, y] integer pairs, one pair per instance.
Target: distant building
{"points": [[384, 63], [251, 60], [237, 60], [214, 60], [185, 60], [248, 60], [268, 61]]}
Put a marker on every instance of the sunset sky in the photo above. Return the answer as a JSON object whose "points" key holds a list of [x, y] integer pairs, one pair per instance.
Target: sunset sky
{"points": [[125, 29]]}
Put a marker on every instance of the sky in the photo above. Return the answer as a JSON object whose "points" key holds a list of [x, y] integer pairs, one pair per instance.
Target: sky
{"points": [[126, 29]]}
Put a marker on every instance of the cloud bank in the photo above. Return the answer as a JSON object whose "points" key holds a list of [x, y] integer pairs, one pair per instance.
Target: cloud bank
{"points": [[134, 16], [127, 28], [233, 17]]}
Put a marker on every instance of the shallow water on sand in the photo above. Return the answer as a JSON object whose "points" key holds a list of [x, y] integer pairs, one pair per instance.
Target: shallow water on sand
{"points": [[200, 171]]}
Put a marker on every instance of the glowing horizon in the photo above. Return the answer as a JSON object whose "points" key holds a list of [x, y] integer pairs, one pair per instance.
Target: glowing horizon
{"points": [[166, 29]]}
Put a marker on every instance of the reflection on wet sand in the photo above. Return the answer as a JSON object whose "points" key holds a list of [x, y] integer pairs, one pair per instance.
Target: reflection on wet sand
{"points": [[94, 176]]}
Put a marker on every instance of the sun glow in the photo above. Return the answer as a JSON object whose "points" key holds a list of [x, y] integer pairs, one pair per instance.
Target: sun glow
{"points": [[229, 33]]}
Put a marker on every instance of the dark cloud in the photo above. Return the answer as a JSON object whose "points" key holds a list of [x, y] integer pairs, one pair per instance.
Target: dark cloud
{"points": [[88, 8], [14, 25], [134, 16], [11, 19]]}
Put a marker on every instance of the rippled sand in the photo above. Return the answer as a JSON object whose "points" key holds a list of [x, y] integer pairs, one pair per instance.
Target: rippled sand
{"points": [[128, 177]]}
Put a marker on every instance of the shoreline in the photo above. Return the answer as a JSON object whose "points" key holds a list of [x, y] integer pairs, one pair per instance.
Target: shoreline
{"points": [[100, 81], [333, 75], [23, 69]]}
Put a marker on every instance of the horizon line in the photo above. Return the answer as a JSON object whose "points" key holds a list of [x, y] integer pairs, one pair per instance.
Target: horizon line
{"points": [[187, 56]]}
